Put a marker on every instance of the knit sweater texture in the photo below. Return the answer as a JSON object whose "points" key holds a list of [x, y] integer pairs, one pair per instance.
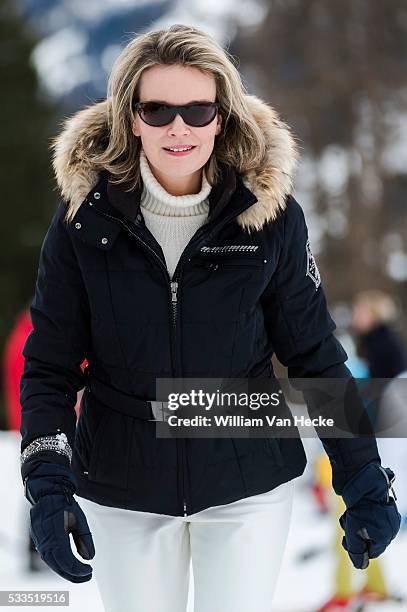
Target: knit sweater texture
{"points": [[172, 220]]}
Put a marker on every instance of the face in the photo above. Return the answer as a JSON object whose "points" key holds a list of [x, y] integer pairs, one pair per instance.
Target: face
{"points": [[177, 84], [362, 319]]}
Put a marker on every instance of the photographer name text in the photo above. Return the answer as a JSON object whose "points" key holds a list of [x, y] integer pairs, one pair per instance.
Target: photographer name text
{"points": [[241, 421]]}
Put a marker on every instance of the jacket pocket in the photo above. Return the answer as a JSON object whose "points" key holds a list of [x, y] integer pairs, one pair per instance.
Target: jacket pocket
{"points": [[216, 263], [273, 449], [109, 457]]}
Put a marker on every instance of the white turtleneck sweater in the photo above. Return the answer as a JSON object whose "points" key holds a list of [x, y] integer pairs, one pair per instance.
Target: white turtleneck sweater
{"points": [[172, 220]]}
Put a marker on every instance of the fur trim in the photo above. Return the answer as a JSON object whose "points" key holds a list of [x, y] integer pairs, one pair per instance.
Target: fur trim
{"points": [[87, 129]]}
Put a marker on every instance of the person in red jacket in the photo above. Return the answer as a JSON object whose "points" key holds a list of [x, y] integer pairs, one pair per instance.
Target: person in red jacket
{"points": [[13, 365]]}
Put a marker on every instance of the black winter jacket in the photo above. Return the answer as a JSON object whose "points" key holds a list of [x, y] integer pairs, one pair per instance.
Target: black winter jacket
{"points": [[245, 287]]}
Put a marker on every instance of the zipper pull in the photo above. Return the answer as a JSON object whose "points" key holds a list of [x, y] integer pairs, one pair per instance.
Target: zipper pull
{"points": [[174, 287], [389, 482], [27, 492], [391, 488]]}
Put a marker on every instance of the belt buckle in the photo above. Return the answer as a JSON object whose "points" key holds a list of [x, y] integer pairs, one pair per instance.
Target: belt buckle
{"points": [[158, 410]]}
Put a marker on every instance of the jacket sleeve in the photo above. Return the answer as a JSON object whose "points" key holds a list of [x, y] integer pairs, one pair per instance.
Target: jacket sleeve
{"points": [[300, 330], [53, 352]]}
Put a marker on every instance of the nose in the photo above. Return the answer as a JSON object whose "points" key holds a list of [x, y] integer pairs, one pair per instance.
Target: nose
{"points": [[177, 125]]}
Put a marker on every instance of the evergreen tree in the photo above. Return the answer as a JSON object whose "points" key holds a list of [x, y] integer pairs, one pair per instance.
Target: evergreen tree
{"points": [[27, 186]]}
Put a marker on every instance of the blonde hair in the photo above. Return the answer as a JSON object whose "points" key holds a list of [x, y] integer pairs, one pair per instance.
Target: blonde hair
{"points": [[241, 142], [382, 307]]}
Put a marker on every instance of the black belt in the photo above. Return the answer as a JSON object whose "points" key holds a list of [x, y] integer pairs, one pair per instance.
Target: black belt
{"points": [[130, 405]]}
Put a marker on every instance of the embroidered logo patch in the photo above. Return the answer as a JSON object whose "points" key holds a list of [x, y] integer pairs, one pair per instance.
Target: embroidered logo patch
{"points": [[312, 268]]}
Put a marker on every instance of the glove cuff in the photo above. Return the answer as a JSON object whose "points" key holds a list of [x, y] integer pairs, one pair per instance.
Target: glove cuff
{"points": [[372, 482], [47, 479]]}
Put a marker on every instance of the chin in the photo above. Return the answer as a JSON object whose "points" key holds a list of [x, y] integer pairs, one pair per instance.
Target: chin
{"points": [[182, 167]]}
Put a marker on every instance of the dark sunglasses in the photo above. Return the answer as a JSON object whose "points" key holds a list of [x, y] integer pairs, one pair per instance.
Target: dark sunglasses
{"points": [[194, 114]]}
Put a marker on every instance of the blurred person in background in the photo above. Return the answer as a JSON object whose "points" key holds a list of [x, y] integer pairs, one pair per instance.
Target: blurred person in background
{"points": [[13, 365], [376, 324], [378, 341], [177, 249]]}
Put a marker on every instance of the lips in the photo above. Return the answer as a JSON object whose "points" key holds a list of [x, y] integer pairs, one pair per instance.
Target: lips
{"points": [[181, 153], [180, 146]]}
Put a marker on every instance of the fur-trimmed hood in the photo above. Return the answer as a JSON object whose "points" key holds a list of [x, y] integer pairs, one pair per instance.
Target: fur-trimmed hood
{"points": [[270, 183]]}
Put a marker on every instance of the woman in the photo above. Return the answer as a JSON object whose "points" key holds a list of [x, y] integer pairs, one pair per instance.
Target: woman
{"points": [[160, 263]]}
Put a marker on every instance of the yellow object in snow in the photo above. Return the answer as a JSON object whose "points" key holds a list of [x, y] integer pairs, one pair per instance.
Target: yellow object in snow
{"points": [[323, 471]]}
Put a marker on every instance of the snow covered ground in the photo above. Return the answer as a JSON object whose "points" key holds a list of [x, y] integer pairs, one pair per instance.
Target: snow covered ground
{"points": [[302, 585]]}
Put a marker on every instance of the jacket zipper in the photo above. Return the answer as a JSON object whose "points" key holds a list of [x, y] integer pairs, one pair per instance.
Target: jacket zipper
{"points": [[174, 303]]}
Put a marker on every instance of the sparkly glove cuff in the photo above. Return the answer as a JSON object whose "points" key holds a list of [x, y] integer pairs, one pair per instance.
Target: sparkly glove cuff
{"points": [[58, 443]]}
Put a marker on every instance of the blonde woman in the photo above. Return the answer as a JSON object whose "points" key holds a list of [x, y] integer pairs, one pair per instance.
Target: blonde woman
{"points": [[177, 250]]}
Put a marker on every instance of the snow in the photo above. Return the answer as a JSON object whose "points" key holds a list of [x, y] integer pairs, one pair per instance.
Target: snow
{"points": [[301, 586], [62, 59], [65, 60], [397, 266], [95, 10], [219, 19], [394, 157], [334, 169]]}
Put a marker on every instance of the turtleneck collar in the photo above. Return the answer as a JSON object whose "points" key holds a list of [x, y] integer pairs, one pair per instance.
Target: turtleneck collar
{"points": [[156, 199]]}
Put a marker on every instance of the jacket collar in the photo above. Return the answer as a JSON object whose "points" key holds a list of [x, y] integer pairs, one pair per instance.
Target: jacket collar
{"points": [[220, 196], [271, 182], [108, 207]]}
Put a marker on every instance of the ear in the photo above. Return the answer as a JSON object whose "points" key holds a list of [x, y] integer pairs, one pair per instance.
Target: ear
{"points": [[135, 128], [219, 123]]}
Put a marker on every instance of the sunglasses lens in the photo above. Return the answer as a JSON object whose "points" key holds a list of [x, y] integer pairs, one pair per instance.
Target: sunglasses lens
{"points": [[199, 115], [156, 114]]}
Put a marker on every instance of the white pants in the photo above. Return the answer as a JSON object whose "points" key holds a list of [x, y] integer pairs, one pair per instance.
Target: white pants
{"points": [[142, 559]]}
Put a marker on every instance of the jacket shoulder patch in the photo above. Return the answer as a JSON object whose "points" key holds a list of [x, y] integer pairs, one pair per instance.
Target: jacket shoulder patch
{"points": [[312, 268]]}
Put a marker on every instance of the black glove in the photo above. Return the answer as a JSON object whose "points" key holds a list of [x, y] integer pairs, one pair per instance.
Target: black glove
{"points": [[53, 516], [371, 519]]}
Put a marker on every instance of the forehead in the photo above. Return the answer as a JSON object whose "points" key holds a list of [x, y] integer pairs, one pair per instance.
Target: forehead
{"points": [[176, 84]]}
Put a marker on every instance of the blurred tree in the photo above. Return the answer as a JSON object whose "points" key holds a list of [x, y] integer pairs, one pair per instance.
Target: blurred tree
{"points": [[27, 121], [337, 72]]}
